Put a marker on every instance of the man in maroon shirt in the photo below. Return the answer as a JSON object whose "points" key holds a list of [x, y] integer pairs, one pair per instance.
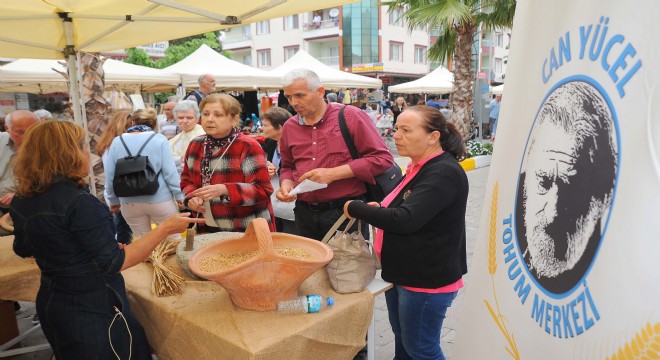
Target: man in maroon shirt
{"points": [[313, 148]]}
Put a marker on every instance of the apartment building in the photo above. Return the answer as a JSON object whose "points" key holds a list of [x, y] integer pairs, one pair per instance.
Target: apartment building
{"points": [[363, 37]]}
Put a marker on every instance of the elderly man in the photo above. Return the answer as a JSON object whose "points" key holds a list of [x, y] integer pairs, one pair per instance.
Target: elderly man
{"points": [[206, 86], [16, 125], [566, 185], [167, 123], [313, 148]]}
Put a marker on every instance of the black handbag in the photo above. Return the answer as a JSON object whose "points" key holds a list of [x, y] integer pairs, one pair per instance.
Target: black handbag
{"points": [[385, 182], [134, 175]]}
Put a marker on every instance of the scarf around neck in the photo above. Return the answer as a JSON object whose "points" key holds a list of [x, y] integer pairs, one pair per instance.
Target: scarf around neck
{"points": [[212, 146]]}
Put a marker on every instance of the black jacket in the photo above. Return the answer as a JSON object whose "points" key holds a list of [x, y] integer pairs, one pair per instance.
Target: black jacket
{"points": [[424, 226]]}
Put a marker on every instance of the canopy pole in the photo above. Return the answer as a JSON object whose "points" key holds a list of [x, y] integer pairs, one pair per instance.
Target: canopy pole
{"points": [[74, 87], [72, 66]]}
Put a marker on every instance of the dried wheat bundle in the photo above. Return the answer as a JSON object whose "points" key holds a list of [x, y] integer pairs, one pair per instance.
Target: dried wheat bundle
{"points": [[165, 281]]}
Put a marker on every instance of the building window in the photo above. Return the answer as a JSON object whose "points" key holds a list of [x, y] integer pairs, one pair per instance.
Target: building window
{"points": [[247, 60], [263, 58], [499, 40], [420, 54], [396, 16], [396, 51], [291, 22], [263, 27], [498, 65], [290, 51]]}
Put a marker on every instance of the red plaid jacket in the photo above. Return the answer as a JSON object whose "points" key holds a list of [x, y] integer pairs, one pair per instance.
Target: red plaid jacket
{"points": [[243, 170]]}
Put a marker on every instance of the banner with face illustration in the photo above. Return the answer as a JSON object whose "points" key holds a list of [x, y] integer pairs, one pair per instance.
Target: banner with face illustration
{"points": [[567, 258]]}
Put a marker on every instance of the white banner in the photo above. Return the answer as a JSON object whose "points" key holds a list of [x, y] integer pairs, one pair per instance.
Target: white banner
{"points": [[567, 260]]}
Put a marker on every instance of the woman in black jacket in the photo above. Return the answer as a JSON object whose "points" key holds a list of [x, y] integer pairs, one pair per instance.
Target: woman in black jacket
{"points": [[421, 231]]}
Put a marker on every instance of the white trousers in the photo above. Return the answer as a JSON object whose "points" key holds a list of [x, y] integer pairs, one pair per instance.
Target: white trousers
{"points": [[140, 216]]}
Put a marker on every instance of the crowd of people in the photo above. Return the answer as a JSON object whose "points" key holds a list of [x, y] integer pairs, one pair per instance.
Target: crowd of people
{"points": [[212, 174]]}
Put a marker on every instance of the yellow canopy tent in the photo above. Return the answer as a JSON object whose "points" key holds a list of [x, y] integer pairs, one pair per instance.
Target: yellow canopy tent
{"points": [[58, 29]]}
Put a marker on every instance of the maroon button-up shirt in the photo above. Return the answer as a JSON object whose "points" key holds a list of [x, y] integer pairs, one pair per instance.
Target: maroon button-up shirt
{"points": [[307, 147]]}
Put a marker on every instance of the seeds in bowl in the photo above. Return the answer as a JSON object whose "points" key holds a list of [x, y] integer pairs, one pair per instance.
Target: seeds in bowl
{"points": [[222, 261]]}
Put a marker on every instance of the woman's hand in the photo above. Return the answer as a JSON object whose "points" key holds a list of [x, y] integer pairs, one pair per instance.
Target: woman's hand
{"points": [[115, 209], [374, 204], [272, 169], [346, 209], [196, 204], [210, 191], [177, 223], [179, 204]]}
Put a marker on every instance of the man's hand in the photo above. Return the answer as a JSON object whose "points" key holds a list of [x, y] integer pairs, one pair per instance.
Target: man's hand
{"points": [[283, 193], [6, 199], [196, 204], [210, 191], [320, 175]]}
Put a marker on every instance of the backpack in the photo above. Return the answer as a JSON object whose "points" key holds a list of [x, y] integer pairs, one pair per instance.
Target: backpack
{"points": [[134, 175]]}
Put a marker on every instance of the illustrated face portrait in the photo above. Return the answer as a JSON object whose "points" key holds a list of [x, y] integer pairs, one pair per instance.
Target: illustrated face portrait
{"points": [[566, 185]]}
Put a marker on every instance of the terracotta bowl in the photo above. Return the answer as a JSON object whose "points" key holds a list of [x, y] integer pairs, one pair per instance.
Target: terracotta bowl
{"points": [[261, 282]]}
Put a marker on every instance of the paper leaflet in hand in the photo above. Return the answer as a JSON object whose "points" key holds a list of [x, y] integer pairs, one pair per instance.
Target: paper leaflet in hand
{"points": [[306, 186]]}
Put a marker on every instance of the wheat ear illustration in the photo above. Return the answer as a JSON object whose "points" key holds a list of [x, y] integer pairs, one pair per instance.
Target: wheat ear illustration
{"points": [[644, 345], [498, 317]]}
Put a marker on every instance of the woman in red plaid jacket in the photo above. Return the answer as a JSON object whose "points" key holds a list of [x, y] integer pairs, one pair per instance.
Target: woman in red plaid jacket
{"points": [[225, 178]]}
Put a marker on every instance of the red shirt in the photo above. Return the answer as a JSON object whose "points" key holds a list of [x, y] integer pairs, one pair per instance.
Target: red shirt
{"points": [[307, 147]]}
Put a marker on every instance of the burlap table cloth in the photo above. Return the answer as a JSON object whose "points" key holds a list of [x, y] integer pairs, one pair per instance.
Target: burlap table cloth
{"points": [[203, 323], [19, 278]]}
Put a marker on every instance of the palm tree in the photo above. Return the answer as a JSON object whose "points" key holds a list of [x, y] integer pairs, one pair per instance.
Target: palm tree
{"points": [[459, 21]]}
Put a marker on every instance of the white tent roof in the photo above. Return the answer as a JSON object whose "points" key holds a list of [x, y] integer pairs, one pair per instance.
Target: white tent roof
{"points": [[497, 90], [40, 76], [229, 74], [439, 81], [331, 78]]}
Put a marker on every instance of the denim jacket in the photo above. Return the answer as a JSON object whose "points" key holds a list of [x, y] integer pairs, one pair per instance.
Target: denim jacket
{"points": [[68, 231]]}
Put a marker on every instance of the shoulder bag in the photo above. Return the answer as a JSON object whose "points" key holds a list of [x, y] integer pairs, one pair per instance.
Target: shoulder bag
{"points": [[385, 182]]}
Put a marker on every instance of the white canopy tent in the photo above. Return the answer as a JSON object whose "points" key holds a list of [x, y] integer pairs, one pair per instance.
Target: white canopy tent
{"points": [[497, 90], [229, 74], [40, 76], [330, 78], [439, 81]]}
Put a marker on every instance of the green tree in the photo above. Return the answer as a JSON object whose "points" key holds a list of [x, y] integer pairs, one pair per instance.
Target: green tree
{"points": [[179, 50], [138, 56], [459, 21]]}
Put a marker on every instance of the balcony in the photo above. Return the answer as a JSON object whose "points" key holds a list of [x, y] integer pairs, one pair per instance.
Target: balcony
{"points": [[324, 24]]}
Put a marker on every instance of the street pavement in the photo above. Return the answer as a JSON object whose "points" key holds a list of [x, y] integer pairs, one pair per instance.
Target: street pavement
{"points": [[385, 339]]}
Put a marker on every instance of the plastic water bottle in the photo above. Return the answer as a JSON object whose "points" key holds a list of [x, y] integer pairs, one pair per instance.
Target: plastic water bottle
{"points": [[305, 304]]}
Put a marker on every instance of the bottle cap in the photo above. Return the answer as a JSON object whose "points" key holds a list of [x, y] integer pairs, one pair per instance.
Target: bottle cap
{"points": [[331, 301]]}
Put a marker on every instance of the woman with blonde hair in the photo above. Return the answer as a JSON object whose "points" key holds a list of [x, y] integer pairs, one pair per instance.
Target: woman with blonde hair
{"points": [[82, 302], [143, 210], [224, 173], [118, 124], [398, 107]]}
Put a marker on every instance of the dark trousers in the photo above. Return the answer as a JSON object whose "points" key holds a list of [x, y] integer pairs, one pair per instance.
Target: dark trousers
{"points": [[315, 224]]}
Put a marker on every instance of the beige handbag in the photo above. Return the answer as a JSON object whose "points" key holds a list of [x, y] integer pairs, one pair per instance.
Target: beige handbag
{"points": [[353, 266]]}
